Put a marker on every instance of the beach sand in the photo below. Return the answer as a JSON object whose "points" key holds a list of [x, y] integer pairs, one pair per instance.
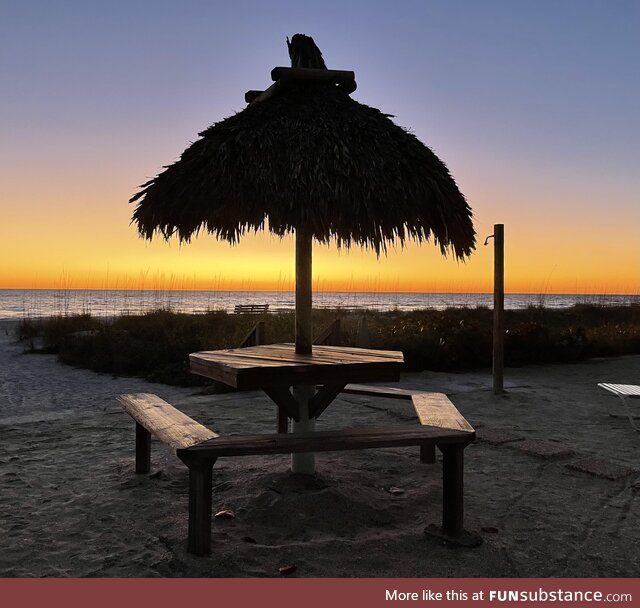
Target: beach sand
{"points": [[552, 484]]}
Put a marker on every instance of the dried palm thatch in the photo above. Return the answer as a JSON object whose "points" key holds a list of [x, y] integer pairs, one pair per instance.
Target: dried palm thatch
{"points": [[309, 158]]}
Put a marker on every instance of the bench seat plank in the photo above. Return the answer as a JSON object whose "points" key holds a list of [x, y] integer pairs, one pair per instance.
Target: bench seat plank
{"points": [[435, 410], [164, 421], [379, 391], [326, 441], [359, 353]]}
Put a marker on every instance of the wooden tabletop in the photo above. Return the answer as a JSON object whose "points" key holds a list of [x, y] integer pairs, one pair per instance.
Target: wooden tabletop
{"points": [[274, 365]]}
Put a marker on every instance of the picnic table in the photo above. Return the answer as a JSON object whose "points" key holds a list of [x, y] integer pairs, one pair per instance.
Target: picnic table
{"points": [[275, 368], [328, 371]]}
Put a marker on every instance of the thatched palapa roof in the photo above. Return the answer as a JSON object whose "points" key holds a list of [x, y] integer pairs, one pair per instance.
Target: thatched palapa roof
{"points": [[309, 157]]}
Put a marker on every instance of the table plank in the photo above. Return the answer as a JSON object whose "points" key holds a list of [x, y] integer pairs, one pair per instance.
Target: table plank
{"points": [[241, 361], [287, 349], [227, 376], [267, 359], [363, 353]]}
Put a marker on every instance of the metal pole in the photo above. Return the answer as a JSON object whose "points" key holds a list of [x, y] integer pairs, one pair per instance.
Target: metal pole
{"points": [[498, 309], [303, 463]]}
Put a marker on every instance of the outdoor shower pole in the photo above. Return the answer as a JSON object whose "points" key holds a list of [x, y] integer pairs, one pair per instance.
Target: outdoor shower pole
{"points": [[303, 463], [498, 308]]}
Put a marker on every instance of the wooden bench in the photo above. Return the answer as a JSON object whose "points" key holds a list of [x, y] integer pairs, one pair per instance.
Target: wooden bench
{"points": [[199, 448], [250, 309], [427, 452]]}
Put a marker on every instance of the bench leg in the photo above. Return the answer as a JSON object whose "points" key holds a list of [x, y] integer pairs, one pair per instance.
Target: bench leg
{"points": [[452, 489], [200, 474], [143, 449], [452, 531], [428, 454], [283, 421]]}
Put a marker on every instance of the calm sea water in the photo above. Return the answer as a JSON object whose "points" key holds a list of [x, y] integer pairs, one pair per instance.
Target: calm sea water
{"points": [[18, 303]]}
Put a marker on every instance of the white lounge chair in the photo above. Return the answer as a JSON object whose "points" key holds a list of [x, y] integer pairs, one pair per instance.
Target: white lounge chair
{"points": [[624, 391]]}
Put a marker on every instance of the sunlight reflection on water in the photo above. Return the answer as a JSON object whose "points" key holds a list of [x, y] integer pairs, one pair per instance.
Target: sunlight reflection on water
{"points": [[22, 303]]}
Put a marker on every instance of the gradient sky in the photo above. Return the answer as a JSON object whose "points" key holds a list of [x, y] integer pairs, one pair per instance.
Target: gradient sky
{"points": [[533, 105]]}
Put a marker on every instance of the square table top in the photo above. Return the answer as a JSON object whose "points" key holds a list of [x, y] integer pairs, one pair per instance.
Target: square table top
{"points": [[275, 365]]}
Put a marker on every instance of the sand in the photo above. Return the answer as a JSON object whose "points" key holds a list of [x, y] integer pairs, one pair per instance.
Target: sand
{"points": [[552, 484]]}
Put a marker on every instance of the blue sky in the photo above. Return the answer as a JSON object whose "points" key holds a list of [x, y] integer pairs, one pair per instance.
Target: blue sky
{"points": [[533, 105]]}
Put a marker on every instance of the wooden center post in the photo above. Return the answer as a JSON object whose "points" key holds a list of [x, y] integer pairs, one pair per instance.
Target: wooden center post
{"points": [[303, 463]]}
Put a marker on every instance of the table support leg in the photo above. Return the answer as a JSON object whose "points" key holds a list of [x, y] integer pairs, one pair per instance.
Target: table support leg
{"points": [[283, 421], [143, 449], [306, 462]]}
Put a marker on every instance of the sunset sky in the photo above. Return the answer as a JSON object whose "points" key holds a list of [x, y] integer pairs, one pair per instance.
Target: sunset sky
{"points": [[532, 105]]}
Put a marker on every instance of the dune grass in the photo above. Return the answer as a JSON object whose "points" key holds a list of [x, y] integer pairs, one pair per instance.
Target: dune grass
{"points": [[156, 345]]}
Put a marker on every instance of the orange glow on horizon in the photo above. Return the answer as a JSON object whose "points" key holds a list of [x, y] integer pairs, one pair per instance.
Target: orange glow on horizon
{"points": [[264, 263], [69, 239]]}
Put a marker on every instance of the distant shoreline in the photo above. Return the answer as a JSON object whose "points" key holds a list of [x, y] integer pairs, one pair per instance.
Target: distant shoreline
{"points": [[114, 302]]}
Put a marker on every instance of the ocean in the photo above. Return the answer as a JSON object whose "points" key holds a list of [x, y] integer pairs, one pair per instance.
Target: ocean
{"points": [[38, 303]]}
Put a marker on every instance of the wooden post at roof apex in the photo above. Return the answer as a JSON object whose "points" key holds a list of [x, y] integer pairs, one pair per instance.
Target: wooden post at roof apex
{"points": [[343, 79]]}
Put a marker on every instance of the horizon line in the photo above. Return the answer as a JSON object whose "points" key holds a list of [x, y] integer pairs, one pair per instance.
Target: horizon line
{"points": [[292, 290]]}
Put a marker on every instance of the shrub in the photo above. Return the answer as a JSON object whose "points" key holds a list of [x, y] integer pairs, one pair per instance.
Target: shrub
{"points": [[156, 345]]}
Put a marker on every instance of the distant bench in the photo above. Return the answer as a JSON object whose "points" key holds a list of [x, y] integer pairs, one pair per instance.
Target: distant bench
{"points": [[250, 309], [199, 448]]}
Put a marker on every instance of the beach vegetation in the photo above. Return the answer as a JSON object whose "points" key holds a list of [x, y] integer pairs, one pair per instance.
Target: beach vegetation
{"points": [[156, 345]]}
